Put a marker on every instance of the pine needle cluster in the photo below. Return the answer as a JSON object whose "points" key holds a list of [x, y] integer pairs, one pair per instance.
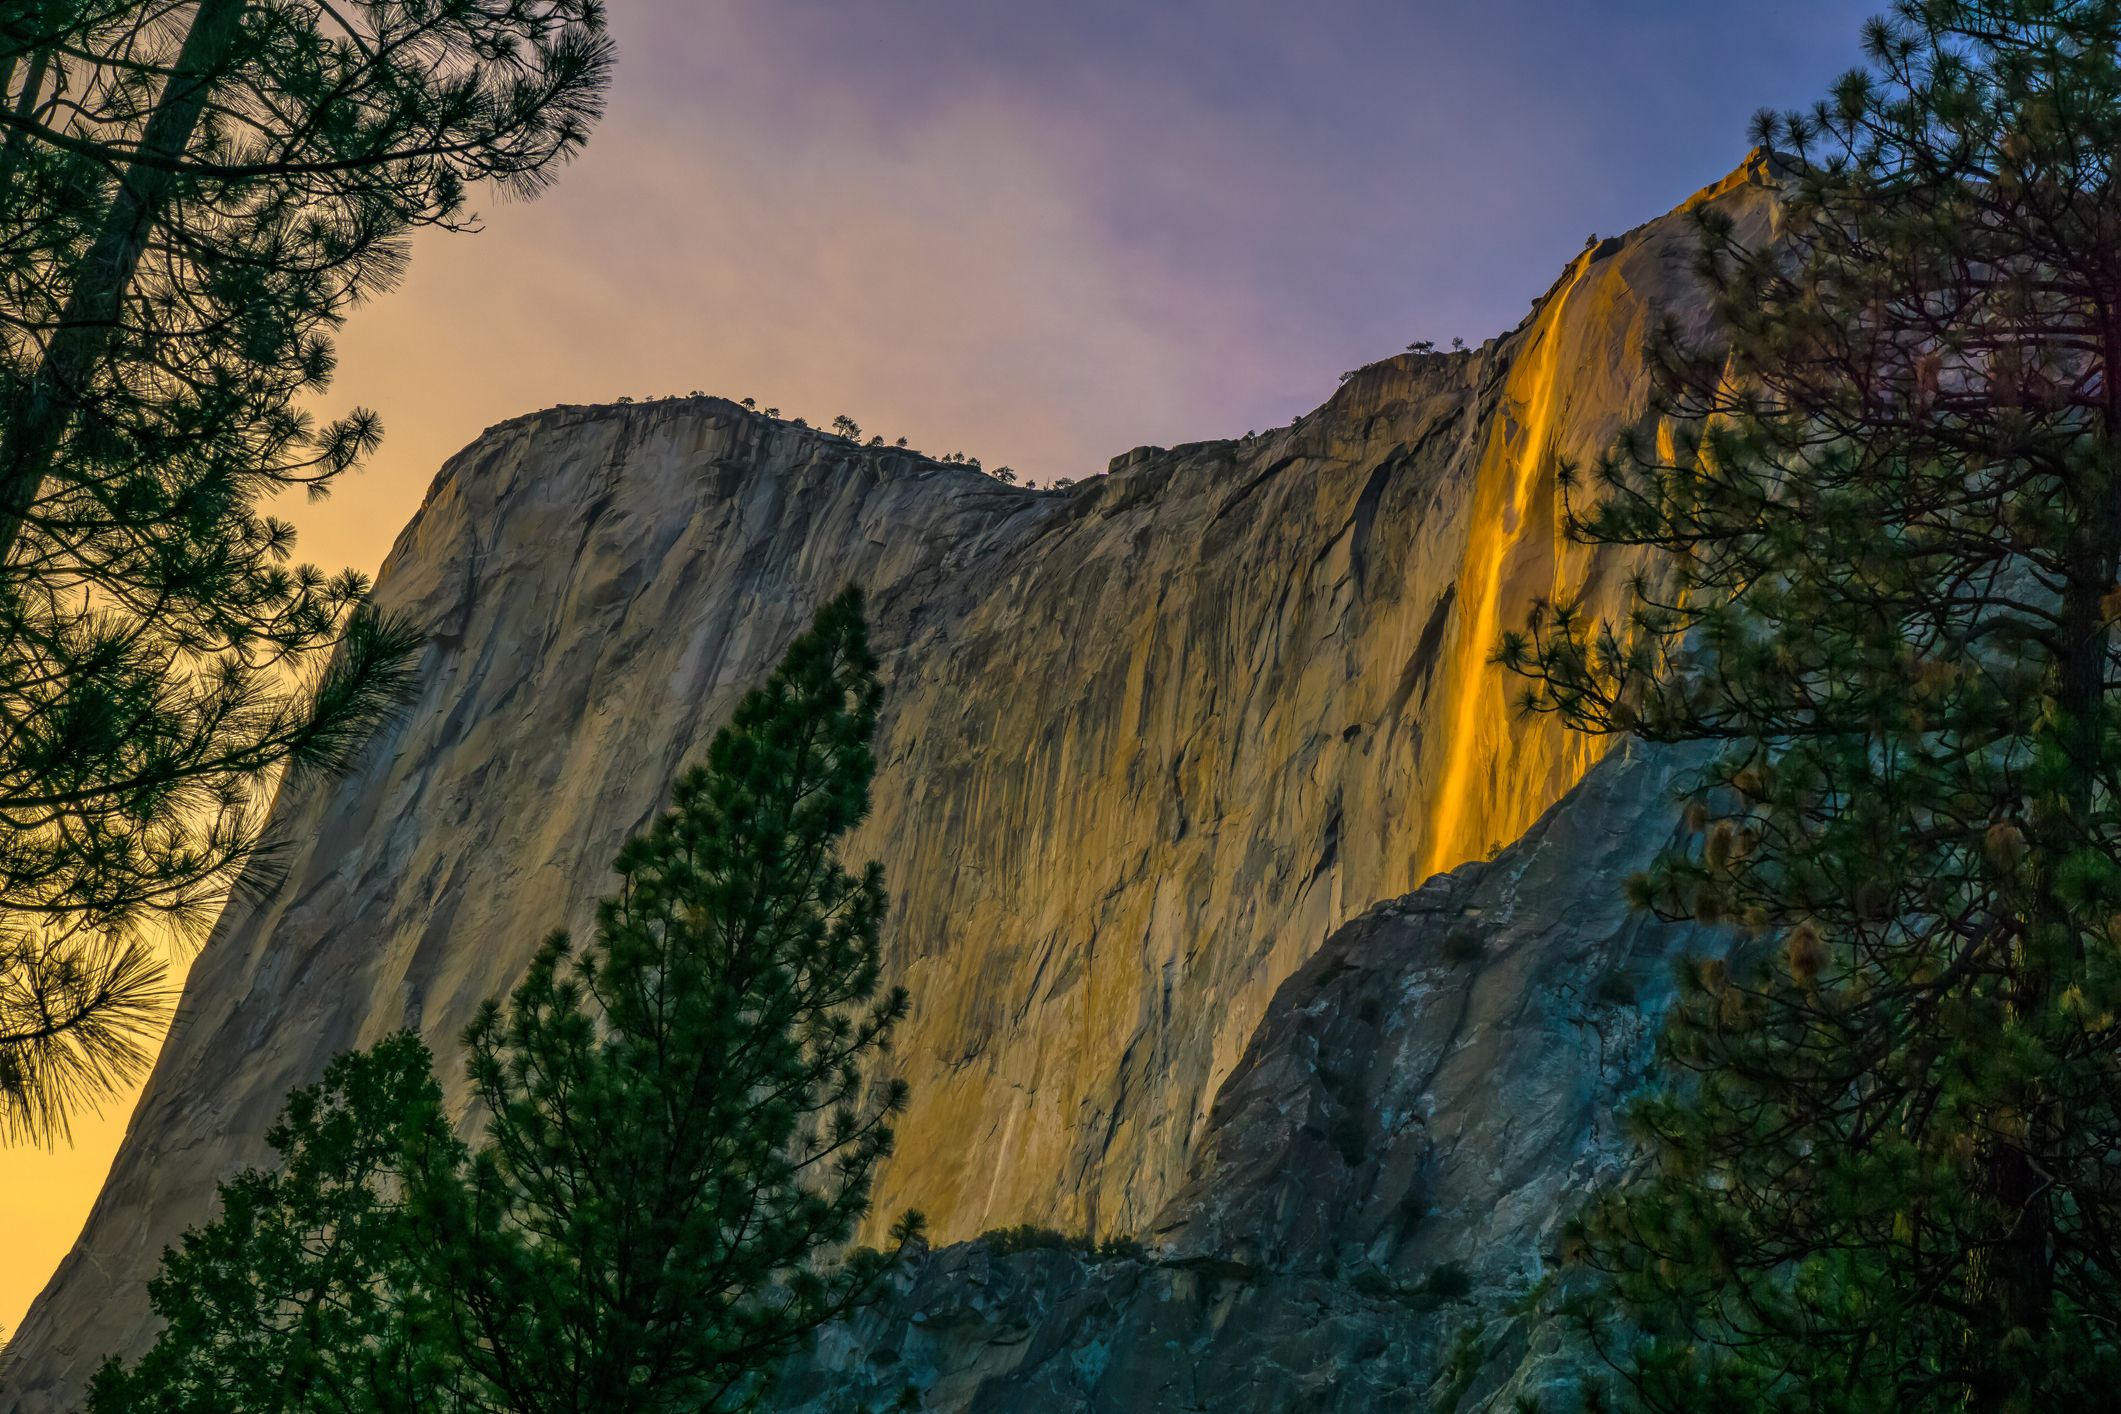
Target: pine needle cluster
{"points": [[192, 196]]}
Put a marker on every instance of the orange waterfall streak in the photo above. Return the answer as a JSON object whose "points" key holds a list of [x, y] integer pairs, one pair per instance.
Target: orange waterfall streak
{"points": [[1477, 720]]}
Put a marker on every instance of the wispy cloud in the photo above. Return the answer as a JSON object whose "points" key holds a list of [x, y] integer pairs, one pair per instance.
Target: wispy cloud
{"points": [[1042, 234]]}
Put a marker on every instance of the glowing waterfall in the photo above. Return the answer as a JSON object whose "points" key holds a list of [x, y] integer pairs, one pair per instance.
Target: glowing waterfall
{"points": [[1476, 719]]}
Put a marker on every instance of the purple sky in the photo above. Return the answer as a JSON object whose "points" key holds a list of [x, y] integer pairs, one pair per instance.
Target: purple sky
{"points": [[1042, 233]]}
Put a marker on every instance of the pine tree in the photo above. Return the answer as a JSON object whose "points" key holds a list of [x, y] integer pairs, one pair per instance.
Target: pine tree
{"points": [[681, 1128], [192, 195], [304, 1293], [682, 1120], [1880, 1170]]}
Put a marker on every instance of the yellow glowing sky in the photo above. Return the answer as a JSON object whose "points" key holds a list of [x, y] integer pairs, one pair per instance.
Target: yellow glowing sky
{"points": [[1036, 233]]}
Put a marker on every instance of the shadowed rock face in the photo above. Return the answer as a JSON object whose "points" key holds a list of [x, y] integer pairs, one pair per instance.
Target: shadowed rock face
{"points": [[1380, 1182], [1147, 744]]}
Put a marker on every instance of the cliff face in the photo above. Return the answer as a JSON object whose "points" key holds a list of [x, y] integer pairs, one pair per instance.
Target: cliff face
{"points": [[1380, 1182], [1148, 743]]}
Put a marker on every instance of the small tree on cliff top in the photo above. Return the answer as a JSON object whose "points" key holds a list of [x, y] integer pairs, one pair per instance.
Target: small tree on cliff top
{"points": [[1884, 1172], [681, 1131]]}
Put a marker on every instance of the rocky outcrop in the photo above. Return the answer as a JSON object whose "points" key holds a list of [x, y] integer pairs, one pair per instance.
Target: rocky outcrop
{"points": [[1379, 1185], [1148, 743]]}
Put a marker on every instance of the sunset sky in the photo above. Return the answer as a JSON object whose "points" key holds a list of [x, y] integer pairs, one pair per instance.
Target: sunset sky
{"points": [[1036, 232]]}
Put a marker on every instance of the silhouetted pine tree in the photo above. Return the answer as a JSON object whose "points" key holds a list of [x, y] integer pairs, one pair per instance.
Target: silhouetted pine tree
{"points": [[191, 196], [680, 1117], [306, 1292], [1884, 1172], [682, 1124]]}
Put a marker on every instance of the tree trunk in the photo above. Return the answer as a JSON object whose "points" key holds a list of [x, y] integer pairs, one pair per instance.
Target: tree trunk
{"points": [[89, 322], [25, 110], [2012, 1280]]}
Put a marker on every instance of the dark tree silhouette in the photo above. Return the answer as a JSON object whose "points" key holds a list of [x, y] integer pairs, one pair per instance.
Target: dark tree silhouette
{"points": [[191, 196], [1880, 1174], [683, 1122], [682, 1118]]}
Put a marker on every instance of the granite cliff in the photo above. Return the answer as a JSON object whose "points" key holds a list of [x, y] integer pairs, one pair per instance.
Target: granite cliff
{"points": [[1155, 749]]}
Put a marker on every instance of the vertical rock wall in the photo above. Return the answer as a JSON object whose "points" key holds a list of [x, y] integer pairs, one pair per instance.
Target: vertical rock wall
{"points": [[1148, 742]]}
